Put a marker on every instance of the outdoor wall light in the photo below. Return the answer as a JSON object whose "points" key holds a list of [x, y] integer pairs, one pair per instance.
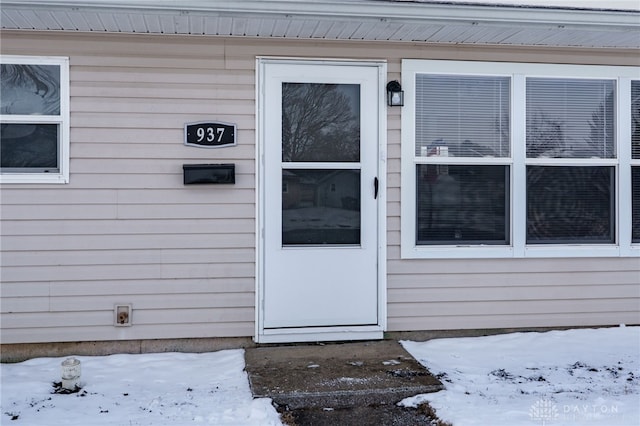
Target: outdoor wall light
{"points": [[395, 94]]}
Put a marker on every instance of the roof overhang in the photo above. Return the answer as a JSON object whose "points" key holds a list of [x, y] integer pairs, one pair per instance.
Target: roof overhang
{"points": [[370, 20]]}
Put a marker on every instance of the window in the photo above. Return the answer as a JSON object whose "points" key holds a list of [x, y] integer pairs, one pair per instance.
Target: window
{"points": [[635, 161], [515, 160], [570, 119], [34, 120]]}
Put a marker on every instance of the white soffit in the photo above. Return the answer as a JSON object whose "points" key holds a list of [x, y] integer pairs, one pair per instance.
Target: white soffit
{"points": [[489, 23]]}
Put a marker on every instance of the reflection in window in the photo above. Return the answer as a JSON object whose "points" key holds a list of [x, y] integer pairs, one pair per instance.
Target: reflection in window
{"points": [[320, 122], [462, 116], [462, 204], [30, 134], [570, 204], [635, 200], [29, 146], [320, 207], [30, 89], [570, 118]]}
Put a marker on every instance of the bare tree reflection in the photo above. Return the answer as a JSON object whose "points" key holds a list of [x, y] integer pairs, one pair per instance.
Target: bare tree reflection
{"points": [[545, 137], [320, 122], [30, 89], [600, 143]]}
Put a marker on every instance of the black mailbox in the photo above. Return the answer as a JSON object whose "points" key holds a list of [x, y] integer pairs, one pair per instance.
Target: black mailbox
{"points": [[209, 173]]}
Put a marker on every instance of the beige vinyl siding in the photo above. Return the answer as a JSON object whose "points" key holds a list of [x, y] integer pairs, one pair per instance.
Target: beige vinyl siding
{"points": [[515, 293], [126, 230]]}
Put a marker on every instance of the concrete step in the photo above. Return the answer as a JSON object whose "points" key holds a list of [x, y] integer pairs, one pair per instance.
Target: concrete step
{"points": [[371, 415], [337, 375]]}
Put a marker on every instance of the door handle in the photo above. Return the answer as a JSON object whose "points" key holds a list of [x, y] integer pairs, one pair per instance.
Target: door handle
{"points": [[375, 188]]}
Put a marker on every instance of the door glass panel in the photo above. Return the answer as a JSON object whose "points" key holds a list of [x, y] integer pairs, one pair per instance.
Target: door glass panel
{"points": [[320, 207], [320, 122]]}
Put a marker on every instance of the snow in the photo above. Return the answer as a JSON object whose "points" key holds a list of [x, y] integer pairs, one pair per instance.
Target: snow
{"points": [[148, 389], [574, 377]]}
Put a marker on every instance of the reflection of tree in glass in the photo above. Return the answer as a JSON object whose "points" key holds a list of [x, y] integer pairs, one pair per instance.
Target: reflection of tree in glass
{"points": [[501, 126], [569, 204], [545, 137], [30, 89], [600, 142], [318, 123], [570, 118], [28, 145]]}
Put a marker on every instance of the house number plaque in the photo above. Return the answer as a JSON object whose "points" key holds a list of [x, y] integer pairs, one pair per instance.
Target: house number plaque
{"points": [[209, 134]]}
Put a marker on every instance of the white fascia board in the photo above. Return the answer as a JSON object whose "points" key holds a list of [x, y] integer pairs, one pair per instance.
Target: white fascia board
{"points": [[575, 4], [399, 11]]}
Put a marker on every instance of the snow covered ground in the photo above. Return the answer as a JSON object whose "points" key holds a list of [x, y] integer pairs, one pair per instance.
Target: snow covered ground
{"points": [[574, 378], [127, 390]]}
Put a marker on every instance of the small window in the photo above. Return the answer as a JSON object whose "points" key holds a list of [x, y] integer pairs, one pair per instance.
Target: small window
{"points": [[34, 120]]}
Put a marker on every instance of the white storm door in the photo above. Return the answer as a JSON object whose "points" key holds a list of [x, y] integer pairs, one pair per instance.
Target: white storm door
{"points": [[320, 195]]}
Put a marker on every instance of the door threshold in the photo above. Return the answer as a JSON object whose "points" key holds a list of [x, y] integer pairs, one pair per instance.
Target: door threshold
{"points": [[319, 334]]}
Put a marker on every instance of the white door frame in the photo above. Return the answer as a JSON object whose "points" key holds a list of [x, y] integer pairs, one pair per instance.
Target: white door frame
{"points": [[263, 335]]}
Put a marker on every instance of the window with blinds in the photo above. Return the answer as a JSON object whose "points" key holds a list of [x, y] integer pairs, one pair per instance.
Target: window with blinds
{"points": [[635, 161], [519, 159], [570, 119], [460, 118]]}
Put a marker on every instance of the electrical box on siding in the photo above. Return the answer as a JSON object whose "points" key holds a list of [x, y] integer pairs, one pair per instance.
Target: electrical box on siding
{"points": [[209, 173]]}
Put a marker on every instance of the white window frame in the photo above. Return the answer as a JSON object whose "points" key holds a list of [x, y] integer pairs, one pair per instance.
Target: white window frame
{"points": [[517, 161], [625, 105], [62, 176]]}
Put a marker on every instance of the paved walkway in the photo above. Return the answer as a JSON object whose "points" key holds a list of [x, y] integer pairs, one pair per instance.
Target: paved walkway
{"points": [[340, 383]]}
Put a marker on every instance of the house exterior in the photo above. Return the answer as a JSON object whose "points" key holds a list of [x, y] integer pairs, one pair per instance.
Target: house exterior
{"points": [[503, 193]]}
